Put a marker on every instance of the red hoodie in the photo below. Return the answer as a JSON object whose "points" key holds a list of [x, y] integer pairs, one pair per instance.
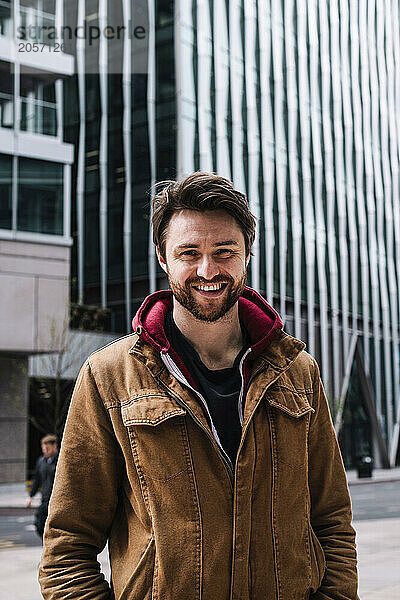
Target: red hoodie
{"points": [[259, 319]]}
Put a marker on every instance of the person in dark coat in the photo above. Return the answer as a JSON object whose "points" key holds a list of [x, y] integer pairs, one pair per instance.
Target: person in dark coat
{"points": [[43, 479]]}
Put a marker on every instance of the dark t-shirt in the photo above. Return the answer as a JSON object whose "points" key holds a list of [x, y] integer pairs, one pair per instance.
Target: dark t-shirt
{"points": [[220, 388]]}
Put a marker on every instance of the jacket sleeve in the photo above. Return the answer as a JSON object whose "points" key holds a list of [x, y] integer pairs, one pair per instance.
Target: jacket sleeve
{"points": [[83, 501], [331, 513], [37, 482]]}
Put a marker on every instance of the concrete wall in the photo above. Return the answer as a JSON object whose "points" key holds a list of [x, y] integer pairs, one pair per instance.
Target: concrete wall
{"points": [[13, 418], [34, 296], [34, 299]]}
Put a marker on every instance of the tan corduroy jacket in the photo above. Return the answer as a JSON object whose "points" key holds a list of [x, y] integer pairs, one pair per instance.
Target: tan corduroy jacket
{"points": [[139, 467]]}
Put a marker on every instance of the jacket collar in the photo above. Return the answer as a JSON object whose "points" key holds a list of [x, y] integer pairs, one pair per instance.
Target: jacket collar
{"points": [[268, 368], [282, 351], [274, 350], [260, 320]]}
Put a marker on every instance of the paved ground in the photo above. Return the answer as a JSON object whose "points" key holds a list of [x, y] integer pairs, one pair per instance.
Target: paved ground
{"points": [[377, 523], [376, 501], [18, 572], [379, 559]]}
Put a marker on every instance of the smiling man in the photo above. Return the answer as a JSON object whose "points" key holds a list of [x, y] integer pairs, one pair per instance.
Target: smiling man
{"points": [[201, 446]]}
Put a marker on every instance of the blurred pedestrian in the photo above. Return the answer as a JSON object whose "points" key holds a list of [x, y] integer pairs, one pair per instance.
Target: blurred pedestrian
{"points": [[43, 479]]}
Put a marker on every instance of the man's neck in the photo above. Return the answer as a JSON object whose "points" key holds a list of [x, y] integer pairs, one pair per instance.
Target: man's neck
{"points": [[217, 343]]}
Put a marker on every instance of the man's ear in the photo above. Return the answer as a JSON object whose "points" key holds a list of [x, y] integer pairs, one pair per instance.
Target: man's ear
{"points": [[161, 261], [248, 259]]}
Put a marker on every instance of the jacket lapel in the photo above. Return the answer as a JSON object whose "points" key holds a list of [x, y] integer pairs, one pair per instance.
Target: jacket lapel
{"points": [[267, 370]]}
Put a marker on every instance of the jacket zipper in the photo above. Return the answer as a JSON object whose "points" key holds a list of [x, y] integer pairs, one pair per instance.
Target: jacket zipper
{"points": [[174, 370], [240, 401], [244, 432]]}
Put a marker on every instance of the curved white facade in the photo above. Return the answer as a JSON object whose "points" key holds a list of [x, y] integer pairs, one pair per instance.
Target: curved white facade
{"points": [[328, 75]]}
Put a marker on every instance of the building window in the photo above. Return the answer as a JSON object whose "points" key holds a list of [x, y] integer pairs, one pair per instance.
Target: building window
{"points": [[6, 23], [38, 105], [40, 196], [5, 192], [6, 94], [37, 21]]}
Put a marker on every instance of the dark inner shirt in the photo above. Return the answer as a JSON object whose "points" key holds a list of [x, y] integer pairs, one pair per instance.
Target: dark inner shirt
{"points": [[220, 388]]}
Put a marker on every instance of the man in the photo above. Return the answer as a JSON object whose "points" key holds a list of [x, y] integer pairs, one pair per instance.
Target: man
{"points": [[211, 465], [43, 479]]}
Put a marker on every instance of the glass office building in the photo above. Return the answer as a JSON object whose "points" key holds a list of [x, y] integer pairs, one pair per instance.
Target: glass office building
{"points": [[297, 102], [121, 116]]}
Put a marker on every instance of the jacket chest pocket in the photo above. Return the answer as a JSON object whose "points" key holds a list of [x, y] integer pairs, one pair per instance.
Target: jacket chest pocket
{"points": [[158, 435], [290, 414]]}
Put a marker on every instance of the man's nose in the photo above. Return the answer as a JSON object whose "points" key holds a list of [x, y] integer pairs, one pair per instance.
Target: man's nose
{"points": [[207, 268]]}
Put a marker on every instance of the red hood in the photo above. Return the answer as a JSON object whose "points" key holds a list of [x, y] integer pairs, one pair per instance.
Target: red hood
{"points": [[260, 320]]}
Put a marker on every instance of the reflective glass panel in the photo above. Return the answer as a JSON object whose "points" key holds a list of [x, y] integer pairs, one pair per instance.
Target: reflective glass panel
{"points": [[5, 192], [40, 196], [6, 94], [6, 18]]}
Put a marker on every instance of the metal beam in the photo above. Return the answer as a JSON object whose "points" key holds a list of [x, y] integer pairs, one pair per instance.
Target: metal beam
{"points": [[267, 142], [127, 144], [280, 146], [185, 91], [393, 247], [380, 297], [345, 384], [359, 174], [293, 94], [151, 120], [253, 135], [204, 63], [237, 92], [326, 68], [103, 152], [221, 71], [80, 179], [369, 399], [308, 208], [321, 239]]}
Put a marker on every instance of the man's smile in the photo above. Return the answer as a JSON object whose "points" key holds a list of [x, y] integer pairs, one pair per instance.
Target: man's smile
{"points": [[212, 290]]}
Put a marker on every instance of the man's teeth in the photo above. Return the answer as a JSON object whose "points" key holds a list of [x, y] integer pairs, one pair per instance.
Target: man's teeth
{"points": [[210, 288]]}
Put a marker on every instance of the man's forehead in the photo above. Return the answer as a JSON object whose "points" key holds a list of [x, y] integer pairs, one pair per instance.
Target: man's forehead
{"points": [[219, 224]]}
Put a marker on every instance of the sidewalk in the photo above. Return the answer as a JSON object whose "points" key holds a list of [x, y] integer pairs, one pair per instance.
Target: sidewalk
{"points": [[378, 551], [19, 572], [13, 495], [378, 544], [378, 476]]}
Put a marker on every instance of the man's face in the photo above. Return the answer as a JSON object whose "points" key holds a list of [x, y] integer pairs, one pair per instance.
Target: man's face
{"points": [[205, 262], [49, 449]]}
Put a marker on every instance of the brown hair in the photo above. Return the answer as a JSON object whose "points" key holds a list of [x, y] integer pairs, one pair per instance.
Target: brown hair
{"points": [[202, 192], [49, 438]]}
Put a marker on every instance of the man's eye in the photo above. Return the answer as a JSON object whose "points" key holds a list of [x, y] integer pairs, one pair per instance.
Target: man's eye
{"points": [[224, 252], [189, 253]]}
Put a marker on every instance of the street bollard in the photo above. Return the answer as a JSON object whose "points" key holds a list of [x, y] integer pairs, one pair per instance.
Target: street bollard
{"points": [[365, 467]]}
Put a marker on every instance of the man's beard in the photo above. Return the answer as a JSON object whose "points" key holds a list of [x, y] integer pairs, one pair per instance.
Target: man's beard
{"points": [[185, 296]]}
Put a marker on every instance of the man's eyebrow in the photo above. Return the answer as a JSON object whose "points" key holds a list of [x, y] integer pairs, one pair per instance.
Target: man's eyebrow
{"points": [[187, 245], [224, 243], [227, 243]]}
